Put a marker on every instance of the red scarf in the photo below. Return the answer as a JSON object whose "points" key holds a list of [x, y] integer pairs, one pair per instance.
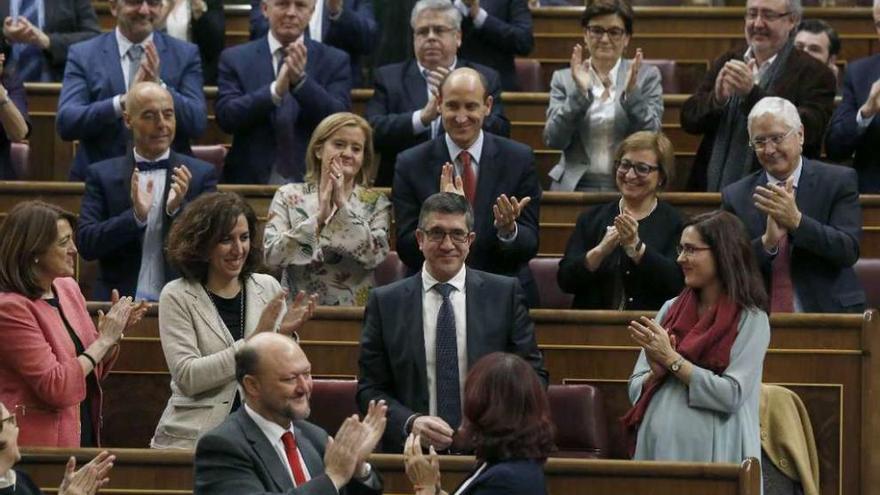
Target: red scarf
{"points": [[704, 341]]}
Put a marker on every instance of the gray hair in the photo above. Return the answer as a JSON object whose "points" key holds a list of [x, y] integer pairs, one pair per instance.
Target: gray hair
{"points": [[447, 203], [780, 107], [442, 6]]}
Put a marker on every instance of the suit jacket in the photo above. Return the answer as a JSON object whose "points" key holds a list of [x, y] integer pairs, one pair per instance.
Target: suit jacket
{"points": [[67, 22], [506, 33], [24, 485], [845, 137], [568, 119], [354, 31], [245, 108], [512, 477], [804, 81], [392, 360], [401, 90], [17, 97], [506, 167], [94, 76], [236, 457], [39, 369], [108, 230], [826, 244]]}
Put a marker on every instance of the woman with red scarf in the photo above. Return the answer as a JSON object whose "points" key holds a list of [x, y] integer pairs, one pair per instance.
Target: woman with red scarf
{"points": [[696, 384]]}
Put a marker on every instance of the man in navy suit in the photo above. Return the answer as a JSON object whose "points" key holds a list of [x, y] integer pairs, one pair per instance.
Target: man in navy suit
{"points": [[495, 31], [274, 91], [803, 217], [403, 110], [349, 25], [422, 333], [854, 129], [491, 171], [130, 201], [100, 71]]}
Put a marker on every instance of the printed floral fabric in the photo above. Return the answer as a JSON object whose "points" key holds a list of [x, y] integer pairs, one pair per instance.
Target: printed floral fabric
{"points": [[338, 264]]}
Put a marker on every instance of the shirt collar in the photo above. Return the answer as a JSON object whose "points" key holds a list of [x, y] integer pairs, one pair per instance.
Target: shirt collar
{"points": [[7, 479], [422, 68], [274, 44], [457, 281], [271, 429], [124, 43], [612, 74], [796, 175], [163, 156], [749, 56], [476, 149]]}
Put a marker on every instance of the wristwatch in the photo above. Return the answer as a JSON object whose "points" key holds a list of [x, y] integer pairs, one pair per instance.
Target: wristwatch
{"points": [[632, 251], [676, 365]]}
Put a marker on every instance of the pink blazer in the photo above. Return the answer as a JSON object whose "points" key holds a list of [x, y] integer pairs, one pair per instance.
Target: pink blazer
{"points": [[39, 369]]}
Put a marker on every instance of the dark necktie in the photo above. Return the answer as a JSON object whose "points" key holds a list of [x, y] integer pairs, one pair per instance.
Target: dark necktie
{"points": [[285, 130], [29, 58], [446, 361], [299, 476], [781, 286], [157, 165], [468, 177]]}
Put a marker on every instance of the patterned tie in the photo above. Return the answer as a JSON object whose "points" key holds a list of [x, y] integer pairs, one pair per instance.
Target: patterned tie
{"points": [[135, 53], [781, 286], [446, 361], [29, 58], [299, 476], [468, 177]]}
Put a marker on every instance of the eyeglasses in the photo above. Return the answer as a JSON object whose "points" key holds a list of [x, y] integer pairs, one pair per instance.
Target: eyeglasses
{"points": [[13, 416], [439, 31], [439, 235], [642, 169], [767, 15], [761, 142], [689, 250], [614, 34], [137, 3]]}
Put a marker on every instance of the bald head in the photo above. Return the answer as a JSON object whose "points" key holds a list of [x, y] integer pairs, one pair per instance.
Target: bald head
{"points": [[468, 79], [464, 105], [149, 113]]}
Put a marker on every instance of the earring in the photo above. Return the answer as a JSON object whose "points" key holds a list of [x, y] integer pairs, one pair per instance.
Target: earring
{"points": [[36, 261]]}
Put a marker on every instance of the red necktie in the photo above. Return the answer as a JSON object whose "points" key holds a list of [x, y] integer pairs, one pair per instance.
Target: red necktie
{"points": [[468, 177], [781, 287], [299, 476]]}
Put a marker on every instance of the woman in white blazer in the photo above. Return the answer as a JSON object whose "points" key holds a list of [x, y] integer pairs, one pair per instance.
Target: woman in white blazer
{"points": [[206, 315], [599, 100]]}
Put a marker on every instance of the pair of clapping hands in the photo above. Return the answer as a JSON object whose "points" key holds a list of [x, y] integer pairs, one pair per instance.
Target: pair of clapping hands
{"points": [[347, 451], [21, 30], [735, 78], [423, 471], [295, 315], [331, 190], [506, 209], [580, 71], [783, 216], [142, 198], [124, 313], [624, 232], [293, 70]]}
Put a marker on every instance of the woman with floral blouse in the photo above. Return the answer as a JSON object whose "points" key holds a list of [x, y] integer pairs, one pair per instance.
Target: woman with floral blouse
{"points": [[330, 232]]}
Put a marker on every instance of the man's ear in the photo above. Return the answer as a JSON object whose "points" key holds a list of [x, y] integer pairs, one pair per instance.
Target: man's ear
{"points": [[250, 385], [489, 101]]}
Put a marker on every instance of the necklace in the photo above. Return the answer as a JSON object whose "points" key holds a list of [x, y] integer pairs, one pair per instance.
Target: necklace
{"points": [[241, 294], [653, 207]]}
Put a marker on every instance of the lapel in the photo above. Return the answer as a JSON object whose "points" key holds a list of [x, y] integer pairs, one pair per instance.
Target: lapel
{"points": [[265, 452], [256, 299], [806, 189], [487, 182], [755, 216], [261, 64], [439, 156], [414, 86], [473, 284], [309, 453], [410, 315], [204, 307], [110, 49], [166, 72]]}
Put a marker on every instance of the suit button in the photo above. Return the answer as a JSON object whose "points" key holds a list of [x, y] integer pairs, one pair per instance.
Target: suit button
{"points": [[627, 272], [630, 299]]}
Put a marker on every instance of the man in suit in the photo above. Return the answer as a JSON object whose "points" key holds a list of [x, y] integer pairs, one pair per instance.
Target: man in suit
{"points": [[422, 333], [268, 447], [769, 66], [130, 201], [491, 171], [803, 217], [854, 131], [100, 71], [495, 31], [349, 25], [43, 31], [403, 110], [274, 91]]}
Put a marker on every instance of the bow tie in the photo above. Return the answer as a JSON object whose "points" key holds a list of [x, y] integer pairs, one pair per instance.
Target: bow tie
{"points": [[158, 165]]}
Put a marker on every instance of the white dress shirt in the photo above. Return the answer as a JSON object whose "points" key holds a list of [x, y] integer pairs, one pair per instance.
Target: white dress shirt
{"points": [[759, 71], [273, 434], [601, 115], [8, 479], [151, 277], [431, 302]]}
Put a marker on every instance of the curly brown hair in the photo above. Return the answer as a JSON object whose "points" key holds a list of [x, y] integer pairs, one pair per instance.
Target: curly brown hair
{"points": [[506, 413], [202, 225]]}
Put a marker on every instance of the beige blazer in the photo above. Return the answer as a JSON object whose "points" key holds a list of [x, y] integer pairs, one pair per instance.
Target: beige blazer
{"points": [[200, 353]]}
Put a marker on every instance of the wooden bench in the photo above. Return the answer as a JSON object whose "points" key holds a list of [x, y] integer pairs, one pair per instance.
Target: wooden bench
{"points": [[827, 359], [167, 473]]}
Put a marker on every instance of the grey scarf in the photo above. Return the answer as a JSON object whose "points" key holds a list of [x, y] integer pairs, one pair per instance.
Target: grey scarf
{"points": [[732, 159]]}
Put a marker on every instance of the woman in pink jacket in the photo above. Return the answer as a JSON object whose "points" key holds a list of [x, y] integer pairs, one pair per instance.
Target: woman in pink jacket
{"points": [[52, 358]]}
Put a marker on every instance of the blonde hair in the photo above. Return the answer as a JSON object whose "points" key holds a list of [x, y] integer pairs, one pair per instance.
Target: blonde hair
{"points": [[327, 128]]}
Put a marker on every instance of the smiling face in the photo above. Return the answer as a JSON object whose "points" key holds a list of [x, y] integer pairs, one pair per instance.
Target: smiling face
{"points": [[699, 266], [435, 39], [136, 19], [283, 384], [445, 257], [464, 106], [766, 36], [633, 186], [150, 116], [288, 18], [228, 256], [348, 145], [606, 47], [779, 159], [60, 259]]}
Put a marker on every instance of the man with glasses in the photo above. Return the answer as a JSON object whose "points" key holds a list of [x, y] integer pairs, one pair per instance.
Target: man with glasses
{"points": [[855, 129], [803, 217], [421, 334], [768, 66], [100, 71], [272, 92], [403, 110]]}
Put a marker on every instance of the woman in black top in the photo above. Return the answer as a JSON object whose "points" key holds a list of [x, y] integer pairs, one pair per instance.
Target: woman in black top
{"points": [[621, 255]]}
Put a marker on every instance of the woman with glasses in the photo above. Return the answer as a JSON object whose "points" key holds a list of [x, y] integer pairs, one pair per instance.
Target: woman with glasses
{"points": [[330, 232], [621, 254], [206, 315], [599, 100], [696, 385], [53, 357], [83, 481]]}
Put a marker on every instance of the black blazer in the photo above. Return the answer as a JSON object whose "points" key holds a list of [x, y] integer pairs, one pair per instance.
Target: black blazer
{"points": [[24, 485], [825, 245], [506, 167], [506, 33], [513, 477], [647, 285], [392, 360], [236, 457], [400, 90]]}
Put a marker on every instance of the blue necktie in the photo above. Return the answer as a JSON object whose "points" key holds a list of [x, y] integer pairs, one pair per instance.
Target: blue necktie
{"points": [[158, 165], [446, 361], [29, 58]]}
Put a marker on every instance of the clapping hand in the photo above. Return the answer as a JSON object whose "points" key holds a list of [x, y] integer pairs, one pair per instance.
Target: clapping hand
{"points": [[343, 450], [738, 76], [506, 211], [180, 179], [296, 58], [632, 76], [141, 199], [449, 182], [432, 109], [779, 202], [23, 31], [298, 313], [89, 478], [423, 471], [149, 68], [112, 324], [627, 229], [653, 338], [374, 421], [138, 310], [580, 69]]}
